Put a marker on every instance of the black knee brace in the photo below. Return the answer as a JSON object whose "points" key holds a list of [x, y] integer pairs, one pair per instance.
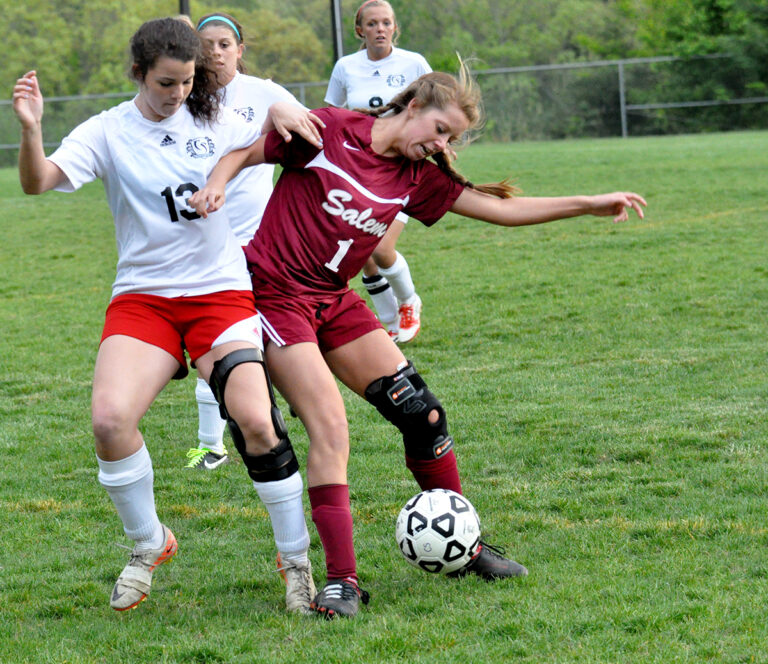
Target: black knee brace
{"points": [[405, 400], [280, 462]]}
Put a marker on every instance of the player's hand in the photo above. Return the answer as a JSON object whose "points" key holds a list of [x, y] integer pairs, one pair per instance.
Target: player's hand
{"points": [[288, 118], [206, 200], [617, 204], [28, 100]]}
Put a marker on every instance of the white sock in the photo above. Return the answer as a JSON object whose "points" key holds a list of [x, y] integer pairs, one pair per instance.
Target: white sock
{"points": [[211, 426], [384, 300], [286, 511], [399, 277], [129, 483]]}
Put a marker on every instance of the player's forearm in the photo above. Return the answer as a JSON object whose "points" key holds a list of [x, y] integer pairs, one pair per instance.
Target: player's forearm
{"points": [[517, 210], [526, 211], [35, 172], [227, 168]]}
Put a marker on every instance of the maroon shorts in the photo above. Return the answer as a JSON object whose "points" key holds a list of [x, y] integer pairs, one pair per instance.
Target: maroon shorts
{"points": [[176, 323], [329, 322]]}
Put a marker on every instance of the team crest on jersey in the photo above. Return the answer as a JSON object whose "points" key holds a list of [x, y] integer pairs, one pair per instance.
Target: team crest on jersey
{"points": [[396, 80], [200, 148], [246, 113]]}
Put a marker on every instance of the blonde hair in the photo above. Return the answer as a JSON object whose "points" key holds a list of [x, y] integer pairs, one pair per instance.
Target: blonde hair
{"points": [[359, 20], [440, 90]]}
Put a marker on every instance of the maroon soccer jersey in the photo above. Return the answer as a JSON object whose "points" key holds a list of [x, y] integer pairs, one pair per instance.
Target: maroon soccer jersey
{"points": [[331, 207]]}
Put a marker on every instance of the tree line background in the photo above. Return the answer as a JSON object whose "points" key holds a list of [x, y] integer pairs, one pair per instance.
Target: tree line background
{"points": [[80, 47]]}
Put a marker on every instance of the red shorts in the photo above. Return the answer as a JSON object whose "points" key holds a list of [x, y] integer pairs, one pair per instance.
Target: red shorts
{"points": [[176, 323], [327, 322]]}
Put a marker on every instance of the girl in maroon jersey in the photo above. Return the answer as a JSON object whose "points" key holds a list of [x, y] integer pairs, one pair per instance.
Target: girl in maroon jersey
{"points": [[326, 216]]}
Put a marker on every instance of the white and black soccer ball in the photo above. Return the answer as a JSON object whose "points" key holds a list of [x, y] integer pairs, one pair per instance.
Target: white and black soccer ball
{"points": [[438, 531]]}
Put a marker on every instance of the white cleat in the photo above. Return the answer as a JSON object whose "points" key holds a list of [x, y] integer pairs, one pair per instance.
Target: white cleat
{"points": [[134, 582], [299, 586], [410, 320]]}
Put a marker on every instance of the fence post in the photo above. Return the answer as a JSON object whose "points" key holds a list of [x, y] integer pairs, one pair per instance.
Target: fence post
{"points": [[622, 101]]}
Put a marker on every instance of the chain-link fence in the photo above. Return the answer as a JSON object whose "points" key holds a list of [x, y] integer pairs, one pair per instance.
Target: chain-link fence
{"points": [[633, 97]]}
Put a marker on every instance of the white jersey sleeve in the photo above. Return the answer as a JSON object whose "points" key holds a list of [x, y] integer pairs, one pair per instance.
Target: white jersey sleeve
{"points": [[81, 155], [336, 94]]}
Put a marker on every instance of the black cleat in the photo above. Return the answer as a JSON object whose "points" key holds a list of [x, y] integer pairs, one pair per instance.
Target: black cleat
{"points": [[340, 597], [489, 563]]}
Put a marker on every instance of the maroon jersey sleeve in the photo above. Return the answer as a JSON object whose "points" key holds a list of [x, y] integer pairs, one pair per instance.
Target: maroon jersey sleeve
{"points": [[297, 152], [436, 193]]}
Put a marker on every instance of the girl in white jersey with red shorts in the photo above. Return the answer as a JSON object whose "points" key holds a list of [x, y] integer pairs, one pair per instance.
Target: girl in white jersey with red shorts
{"points": [[181, 283], [327, 214], [367, 79]]}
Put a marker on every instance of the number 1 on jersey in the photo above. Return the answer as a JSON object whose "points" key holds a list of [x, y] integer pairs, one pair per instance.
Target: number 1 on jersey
{"points": [[344, 246]]}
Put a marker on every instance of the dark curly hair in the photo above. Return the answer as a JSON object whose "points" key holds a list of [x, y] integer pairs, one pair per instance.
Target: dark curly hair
{"points": [[175, 39]]}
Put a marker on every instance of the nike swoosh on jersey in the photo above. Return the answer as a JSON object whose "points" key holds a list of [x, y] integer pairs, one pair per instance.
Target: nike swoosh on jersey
{"points": [[349, 147]]}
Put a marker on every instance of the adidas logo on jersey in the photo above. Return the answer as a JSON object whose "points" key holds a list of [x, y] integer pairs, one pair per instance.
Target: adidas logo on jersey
{"points": [[167, 141], [376, 73]]}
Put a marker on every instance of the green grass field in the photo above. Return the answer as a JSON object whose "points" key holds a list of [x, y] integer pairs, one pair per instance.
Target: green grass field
{"points": [[605, 384]]}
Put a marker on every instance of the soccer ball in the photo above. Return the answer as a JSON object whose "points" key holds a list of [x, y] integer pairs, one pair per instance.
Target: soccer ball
{"points": [[438, 530]]}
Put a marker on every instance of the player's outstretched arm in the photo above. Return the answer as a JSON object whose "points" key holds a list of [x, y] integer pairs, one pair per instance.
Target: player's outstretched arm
{"points": [[211, 197], [526, 211], [36, 173], [287, 118]]}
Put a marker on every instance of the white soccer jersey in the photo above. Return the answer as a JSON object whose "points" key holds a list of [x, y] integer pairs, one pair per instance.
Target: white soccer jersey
{"points": [[248, 193], [359, 82], [149, 169]]}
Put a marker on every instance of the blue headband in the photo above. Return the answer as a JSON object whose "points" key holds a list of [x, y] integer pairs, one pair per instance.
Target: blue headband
{"points": [[223, 19]]}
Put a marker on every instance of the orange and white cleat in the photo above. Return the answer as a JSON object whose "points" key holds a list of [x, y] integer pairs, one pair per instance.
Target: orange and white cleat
{"points": [[134, 582], [410, 319]]}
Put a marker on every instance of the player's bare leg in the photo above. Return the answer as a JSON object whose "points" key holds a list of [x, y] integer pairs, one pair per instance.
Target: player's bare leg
{"points": [[375, 368], [302, 376], [129, 374]]}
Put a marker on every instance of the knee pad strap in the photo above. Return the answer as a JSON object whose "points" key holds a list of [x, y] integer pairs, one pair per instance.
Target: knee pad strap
{"points": [[280, 462], [223, 367], [405, 400], [277, 464]]}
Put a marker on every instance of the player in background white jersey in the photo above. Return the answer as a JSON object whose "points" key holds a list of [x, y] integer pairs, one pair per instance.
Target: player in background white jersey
{"points": [[322, 222], [250, 97], [370, 78], [181, 284]]}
